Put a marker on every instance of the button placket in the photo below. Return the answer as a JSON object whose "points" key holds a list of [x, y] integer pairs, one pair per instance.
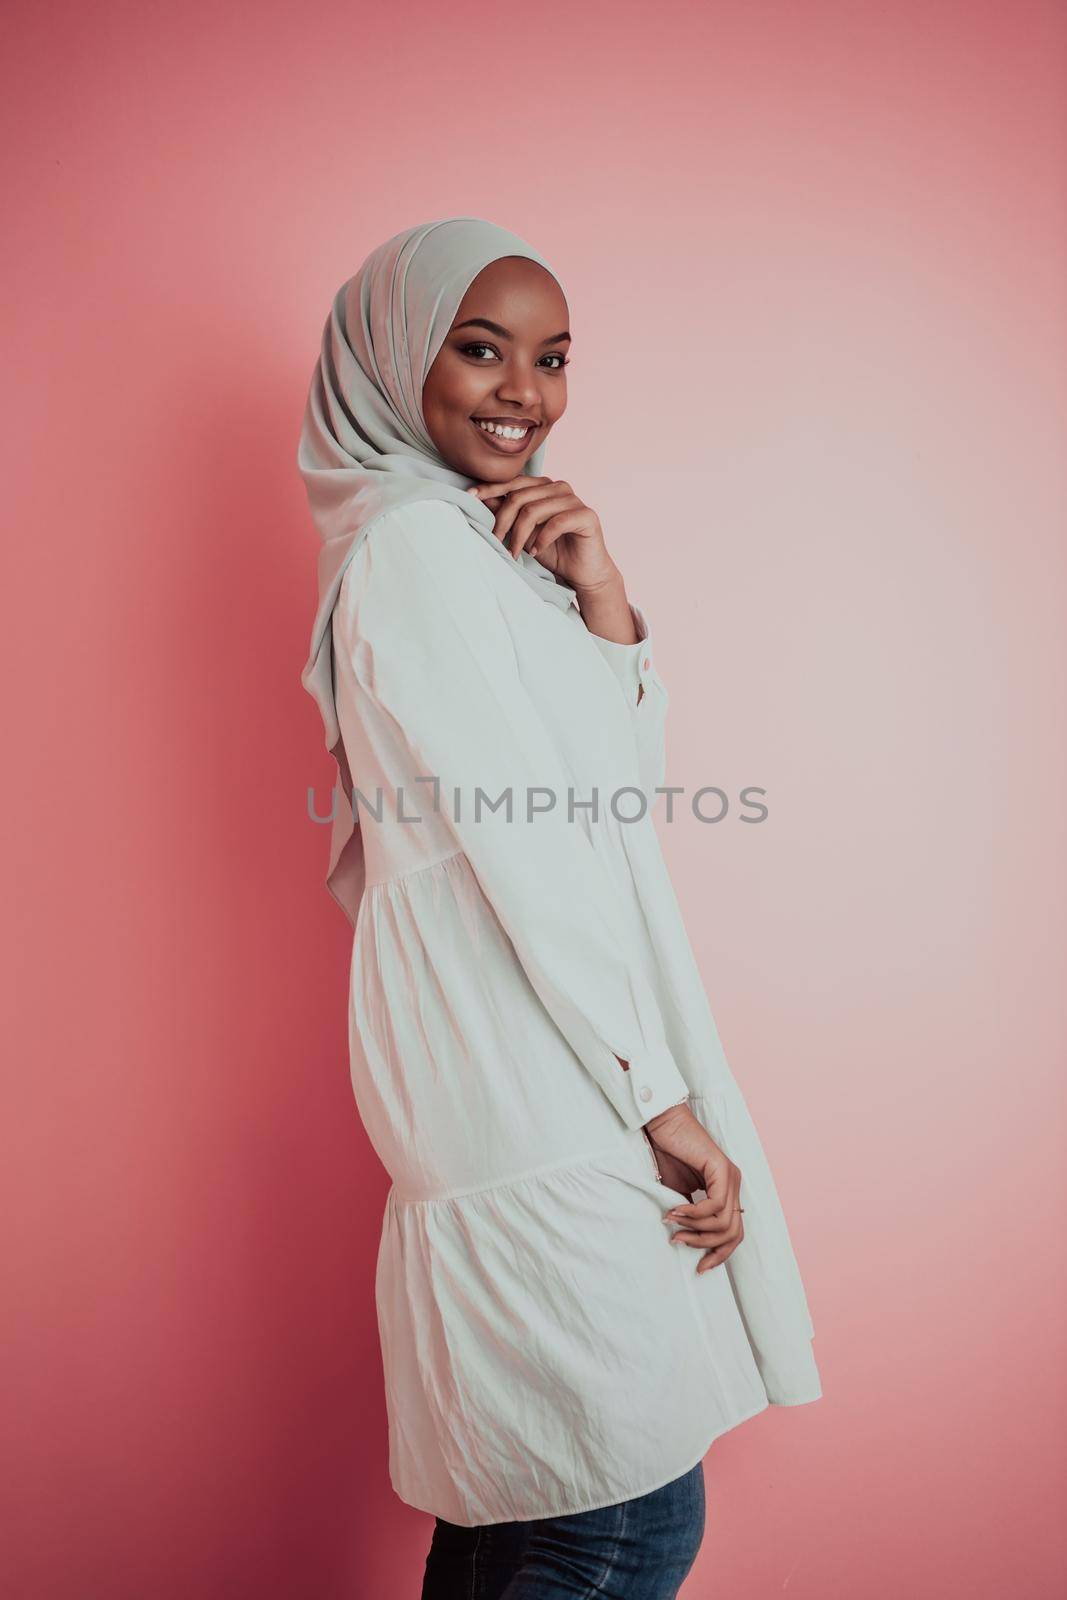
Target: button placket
{"points": [[642, 1091], [644, 665]]}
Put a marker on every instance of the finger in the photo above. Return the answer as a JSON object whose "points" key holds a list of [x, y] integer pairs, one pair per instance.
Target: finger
{"points": [[720, 1200], [493, 496], [534, 517], [554, 528], [723, 1250], [708, 1244], [715, 1258], [515, 501], [523, 515], [709, 1234], [523, 481], [518, 500], [721, 1223], [696, 1218]]}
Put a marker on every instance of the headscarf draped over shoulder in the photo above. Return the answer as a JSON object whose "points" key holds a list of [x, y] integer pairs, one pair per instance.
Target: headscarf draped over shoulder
{"points": [[364, 447]]}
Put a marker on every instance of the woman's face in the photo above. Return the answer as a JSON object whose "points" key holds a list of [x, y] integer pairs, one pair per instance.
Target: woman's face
{"points": [[502, 360]]}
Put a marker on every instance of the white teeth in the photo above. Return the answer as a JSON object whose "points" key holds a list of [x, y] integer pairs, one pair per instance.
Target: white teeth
{"points": [[503, 432]]}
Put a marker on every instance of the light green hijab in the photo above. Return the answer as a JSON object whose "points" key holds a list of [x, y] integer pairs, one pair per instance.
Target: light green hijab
{"points": [[364, 447]]}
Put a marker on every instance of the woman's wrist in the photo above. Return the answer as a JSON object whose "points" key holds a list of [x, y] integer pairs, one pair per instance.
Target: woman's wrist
{"points": [[606, 610], [678, 1114]]}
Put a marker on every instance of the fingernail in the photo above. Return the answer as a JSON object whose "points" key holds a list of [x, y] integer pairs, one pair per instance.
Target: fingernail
{"points": [[472, 491]]}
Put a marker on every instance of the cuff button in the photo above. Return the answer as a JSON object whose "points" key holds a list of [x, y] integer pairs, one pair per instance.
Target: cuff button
{"points": [[645, 1093]]}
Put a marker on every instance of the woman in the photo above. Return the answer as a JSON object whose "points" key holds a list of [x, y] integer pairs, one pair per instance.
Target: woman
{"points": [[532, 1051]]}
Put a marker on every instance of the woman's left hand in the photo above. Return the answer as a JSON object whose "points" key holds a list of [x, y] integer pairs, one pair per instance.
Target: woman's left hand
{"points": [[676, 1174], [546, 517]]}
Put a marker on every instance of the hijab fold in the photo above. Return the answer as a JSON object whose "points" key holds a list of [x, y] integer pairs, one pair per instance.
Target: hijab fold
{"points": [[364, 448]]}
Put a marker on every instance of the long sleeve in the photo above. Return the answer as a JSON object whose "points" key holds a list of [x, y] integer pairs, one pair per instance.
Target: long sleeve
{"points": [[428, 644], [634, 665]]}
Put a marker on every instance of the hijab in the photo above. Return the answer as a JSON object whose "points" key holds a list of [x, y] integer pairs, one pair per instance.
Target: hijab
{"points": [[364, 448]]}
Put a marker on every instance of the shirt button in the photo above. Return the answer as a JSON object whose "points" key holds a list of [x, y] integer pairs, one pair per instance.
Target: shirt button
{"points": [[645, 1093], [646, 663]]}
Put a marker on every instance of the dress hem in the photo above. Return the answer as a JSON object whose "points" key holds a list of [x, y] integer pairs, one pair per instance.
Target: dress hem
{"points": [[598, 1505]]}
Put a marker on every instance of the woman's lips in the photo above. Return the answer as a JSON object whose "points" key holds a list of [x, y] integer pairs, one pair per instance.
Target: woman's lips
{"points": [[504, 447]]}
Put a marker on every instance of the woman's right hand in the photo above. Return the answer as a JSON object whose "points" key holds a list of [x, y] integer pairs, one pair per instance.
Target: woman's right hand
{"points": [[714, 1225]]}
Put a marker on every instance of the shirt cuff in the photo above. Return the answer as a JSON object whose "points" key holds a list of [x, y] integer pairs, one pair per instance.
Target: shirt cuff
{"points": [[655, 1083], [631, 663]]}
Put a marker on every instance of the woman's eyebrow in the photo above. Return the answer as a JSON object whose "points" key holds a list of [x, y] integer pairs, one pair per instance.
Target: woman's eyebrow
{"points": [[502, 333]]}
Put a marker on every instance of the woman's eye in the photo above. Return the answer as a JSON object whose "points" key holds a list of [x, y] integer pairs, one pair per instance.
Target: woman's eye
{"points": [[472, 349]]}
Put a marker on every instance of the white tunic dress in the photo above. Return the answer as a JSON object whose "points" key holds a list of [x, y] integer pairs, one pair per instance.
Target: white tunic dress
{"points": [[546, 1349]]}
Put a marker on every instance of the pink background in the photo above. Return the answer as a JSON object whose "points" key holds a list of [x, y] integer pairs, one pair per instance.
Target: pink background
{"points": [[816, 260]]}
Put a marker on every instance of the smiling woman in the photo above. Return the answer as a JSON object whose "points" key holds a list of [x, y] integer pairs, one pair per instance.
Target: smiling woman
{"points": [[496, 397], [532, 1050]]}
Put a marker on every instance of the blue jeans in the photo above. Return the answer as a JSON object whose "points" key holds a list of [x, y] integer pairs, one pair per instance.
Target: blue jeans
{"points": [[639, 1549]]}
